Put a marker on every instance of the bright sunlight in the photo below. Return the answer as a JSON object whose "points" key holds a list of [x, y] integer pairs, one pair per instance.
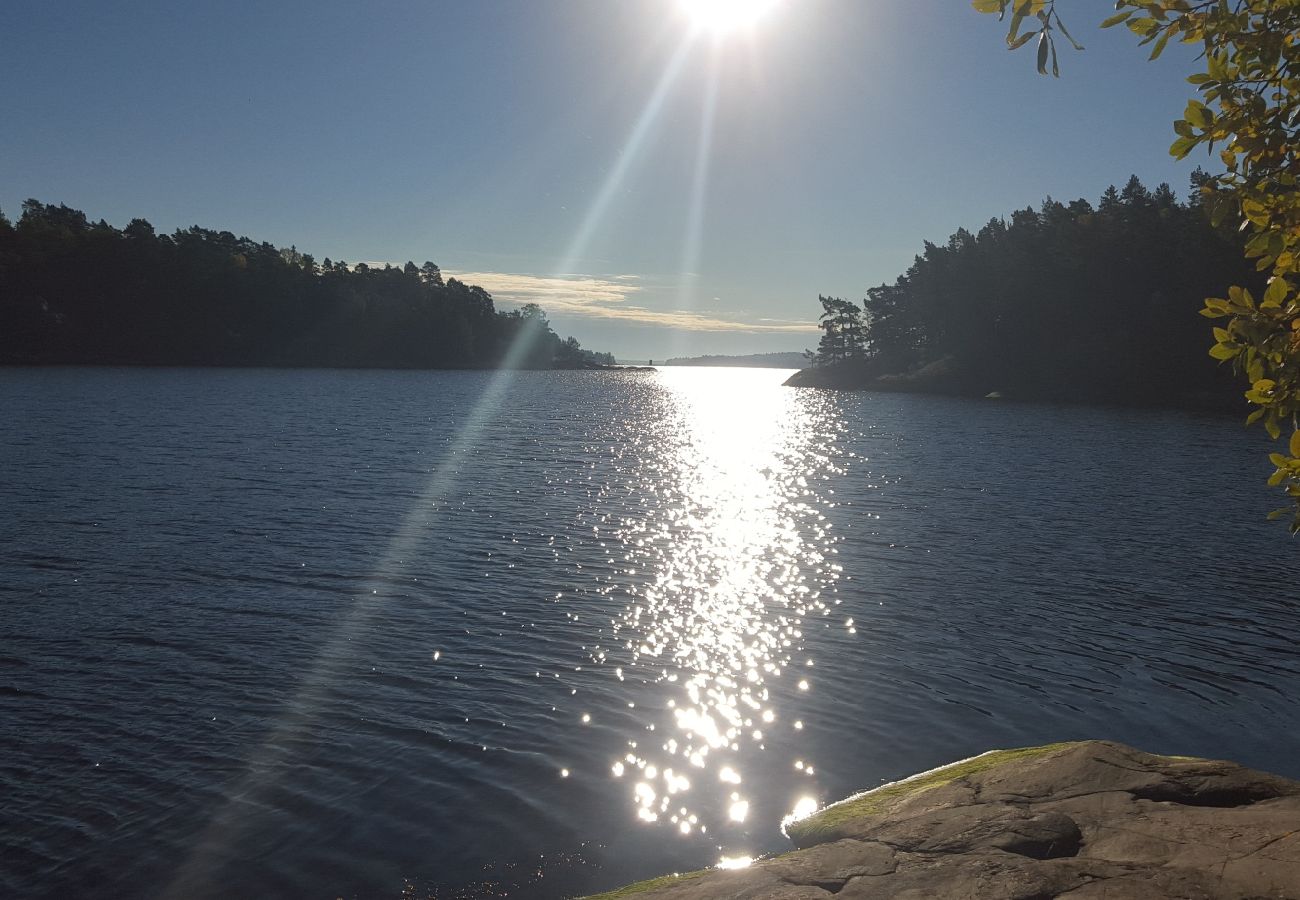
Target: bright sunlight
{"points": [[722, 17]]}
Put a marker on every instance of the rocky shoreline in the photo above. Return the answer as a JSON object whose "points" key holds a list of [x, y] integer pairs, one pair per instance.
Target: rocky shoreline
{"points": [[1084, 820], [944, 378]]}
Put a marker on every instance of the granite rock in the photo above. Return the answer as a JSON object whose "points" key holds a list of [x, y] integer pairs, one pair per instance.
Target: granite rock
{"points": [[1077, 821]]}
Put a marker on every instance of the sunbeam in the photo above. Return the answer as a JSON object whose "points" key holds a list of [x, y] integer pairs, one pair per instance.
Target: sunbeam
{"points": [[693, 237], [618, 174], [716, 18], [272, 757]]}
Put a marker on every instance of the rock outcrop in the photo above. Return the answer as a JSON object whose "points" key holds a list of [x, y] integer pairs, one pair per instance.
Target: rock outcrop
{"points": [[1075, 821]]}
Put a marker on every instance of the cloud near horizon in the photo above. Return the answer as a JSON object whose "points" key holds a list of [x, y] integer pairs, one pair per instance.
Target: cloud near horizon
{"points": [[607, 298]]}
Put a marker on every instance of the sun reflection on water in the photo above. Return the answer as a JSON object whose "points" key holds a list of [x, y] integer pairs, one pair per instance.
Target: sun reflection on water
{"points": [[739, 562]]}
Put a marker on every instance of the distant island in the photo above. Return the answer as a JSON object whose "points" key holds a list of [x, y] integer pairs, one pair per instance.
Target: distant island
{"points": [[1071, 302], [752, 360], [74, 291]]}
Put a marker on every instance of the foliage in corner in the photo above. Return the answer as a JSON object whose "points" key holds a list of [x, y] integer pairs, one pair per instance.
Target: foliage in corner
{"points": [[1249, 111]]}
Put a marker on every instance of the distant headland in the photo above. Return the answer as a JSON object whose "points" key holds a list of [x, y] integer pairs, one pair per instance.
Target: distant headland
{"points": [[752, 360], [1074, 302]]}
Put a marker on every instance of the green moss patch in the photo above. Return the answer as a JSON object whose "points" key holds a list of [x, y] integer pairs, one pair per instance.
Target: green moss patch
{"points": [[641, 887], [822, 826]]}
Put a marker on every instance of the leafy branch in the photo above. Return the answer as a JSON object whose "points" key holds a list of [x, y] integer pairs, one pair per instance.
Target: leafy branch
{"points": [[1041, 12]]}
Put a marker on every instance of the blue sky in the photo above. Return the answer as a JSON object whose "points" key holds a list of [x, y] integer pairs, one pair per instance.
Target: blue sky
{"points": [[516, 142]]}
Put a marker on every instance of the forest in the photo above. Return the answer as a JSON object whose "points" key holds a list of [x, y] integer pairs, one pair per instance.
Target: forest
{"points": [[74, 291], [1068, 301]]}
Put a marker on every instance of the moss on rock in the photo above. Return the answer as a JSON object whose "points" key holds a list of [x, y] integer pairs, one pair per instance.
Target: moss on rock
{"points": [[822, 825], [652, 884], [1080, 817]]}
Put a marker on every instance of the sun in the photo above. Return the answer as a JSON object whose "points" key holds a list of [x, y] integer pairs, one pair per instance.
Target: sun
{"points": [[722, 17]]}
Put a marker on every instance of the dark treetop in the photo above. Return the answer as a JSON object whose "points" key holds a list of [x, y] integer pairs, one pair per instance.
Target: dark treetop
{"points": [[1069, 301]]}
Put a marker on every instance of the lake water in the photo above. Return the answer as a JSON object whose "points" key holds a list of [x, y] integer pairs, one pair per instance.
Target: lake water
{"points": [[409, 634]]}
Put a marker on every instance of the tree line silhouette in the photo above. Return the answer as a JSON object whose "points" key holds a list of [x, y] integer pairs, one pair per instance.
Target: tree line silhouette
{"points": [[1069, 301], [75, 291]]}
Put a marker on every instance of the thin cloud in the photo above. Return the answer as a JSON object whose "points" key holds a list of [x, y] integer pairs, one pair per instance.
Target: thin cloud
{"points": [[608, 298], [555, 292]]}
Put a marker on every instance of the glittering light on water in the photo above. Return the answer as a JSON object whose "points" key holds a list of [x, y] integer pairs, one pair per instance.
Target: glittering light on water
{"points": [[735, 862], [803, 809], [736, 561]]}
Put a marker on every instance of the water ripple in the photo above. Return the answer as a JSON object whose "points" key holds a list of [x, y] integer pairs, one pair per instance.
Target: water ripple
{"points": [[435, 634]]}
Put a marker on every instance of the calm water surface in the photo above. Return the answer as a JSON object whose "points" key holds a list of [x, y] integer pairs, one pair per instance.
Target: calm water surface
{"points": [[384, 634]]}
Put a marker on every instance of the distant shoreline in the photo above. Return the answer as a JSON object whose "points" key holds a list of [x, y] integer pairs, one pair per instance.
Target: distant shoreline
{"points": [[749, 360]]}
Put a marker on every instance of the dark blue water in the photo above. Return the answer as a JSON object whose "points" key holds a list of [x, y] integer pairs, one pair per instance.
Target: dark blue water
{"points": [[381, 634]]}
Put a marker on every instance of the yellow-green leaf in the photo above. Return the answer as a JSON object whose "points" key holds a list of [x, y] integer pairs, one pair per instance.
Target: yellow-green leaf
{"points": [[1197, 113], [1278, 288], [1241, 297], [1069, 37], [1160, 45], [1254, 211], [1021, 41]]}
